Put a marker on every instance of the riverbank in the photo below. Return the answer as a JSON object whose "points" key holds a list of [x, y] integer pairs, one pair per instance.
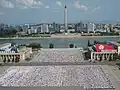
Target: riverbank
{"points": [[79, 36], [62, 36], [5, 38]]}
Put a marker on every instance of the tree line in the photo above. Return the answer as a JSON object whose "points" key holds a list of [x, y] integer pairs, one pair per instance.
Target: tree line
{"points": [[7, 32], [38, 46]]}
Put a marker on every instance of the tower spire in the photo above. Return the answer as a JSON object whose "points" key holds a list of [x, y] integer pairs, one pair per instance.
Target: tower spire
{"points": [[65, 18], [65, 6]]}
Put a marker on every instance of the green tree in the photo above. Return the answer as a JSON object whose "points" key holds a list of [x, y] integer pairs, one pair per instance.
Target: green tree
{"points": [[105, 42], [95, 42], [12, 44], [71, 45], [51, 45], [75, 46], [35, 45], [88, 43]]}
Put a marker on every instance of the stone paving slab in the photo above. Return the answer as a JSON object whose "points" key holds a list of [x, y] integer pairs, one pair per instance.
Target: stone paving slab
{"points": [[59, 55], [89, 76]]}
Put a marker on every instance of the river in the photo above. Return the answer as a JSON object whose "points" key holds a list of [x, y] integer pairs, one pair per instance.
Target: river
{"points": [[59, 42]]}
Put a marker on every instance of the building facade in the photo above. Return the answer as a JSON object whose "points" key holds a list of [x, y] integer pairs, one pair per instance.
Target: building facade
{"points": [[116, 45], [101, 56], [102, 52], [91, 27], [56, 27], [25, 28], [13, 54], [79, 27], [32, 30], [44, 28]]}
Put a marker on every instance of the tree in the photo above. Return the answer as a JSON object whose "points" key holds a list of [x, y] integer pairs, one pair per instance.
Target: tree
{"points": [[35, 45], [51, 45], [105, 42], [88, 43], [95, 42], [71, 45], [21, 30], [75, 46], [12, 44]]}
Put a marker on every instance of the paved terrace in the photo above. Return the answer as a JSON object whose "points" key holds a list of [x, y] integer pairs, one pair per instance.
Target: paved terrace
{"points": [[89, 76], [66, 55]]}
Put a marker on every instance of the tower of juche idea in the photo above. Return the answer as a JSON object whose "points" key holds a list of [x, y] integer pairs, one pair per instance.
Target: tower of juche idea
{"points": [[65, 18]]}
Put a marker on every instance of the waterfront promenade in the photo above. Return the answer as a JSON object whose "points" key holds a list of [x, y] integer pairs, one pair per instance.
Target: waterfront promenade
{"points": [[61, 36]]}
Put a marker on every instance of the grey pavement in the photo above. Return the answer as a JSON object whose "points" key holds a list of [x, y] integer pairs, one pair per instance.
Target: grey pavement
{"points": [[60, 67], [88, 76], [59, 55]]}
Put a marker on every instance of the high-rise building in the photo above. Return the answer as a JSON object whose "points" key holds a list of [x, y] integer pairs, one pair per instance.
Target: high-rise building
{"points": [[107, 28], [91, 27], [65, 18], [25, 27], [71, 28], [50, 27], [79, 27], [56, 27], [32, 30], [44, 28]]}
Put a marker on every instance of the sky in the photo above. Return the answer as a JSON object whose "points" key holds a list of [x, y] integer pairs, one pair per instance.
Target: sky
{"points": [[48, 11]]}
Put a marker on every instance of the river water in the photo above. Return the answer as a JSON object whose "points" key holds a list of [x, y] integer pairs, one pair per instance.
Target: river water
{"points": [[58, 42]]}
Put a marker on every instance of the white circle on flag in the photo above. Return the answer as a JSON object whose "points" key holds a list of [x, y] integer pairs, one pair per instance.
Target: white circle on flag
{"points": [[101, 47]]}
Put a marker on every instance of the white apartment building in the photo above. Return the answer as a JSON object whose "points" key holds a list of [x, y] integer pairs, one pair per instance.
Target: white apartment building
{"points": [[32, 30], [107, 28], [91, 27], [25, 27], [44, 28]]}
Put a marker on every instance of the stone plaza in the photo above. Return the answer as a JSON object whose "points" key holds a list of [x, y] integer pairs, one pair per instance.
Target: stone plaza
{"points": [[87, 76]]}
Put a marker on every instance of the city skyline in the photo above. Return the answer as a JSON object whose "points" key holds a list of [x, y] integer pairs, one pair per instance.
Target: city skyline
{"points": [[43, 11]]}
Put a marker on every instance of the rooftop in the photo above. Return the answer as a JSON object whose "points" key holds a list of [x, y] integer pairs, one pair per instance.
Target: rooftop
{"points": [[105, 47], [5, 44], [116, 43]]}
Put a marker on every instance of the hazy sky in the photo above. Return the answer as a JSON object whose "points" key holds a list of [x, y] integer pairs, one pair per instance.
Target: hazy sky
{"points": [[37, 11]]}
